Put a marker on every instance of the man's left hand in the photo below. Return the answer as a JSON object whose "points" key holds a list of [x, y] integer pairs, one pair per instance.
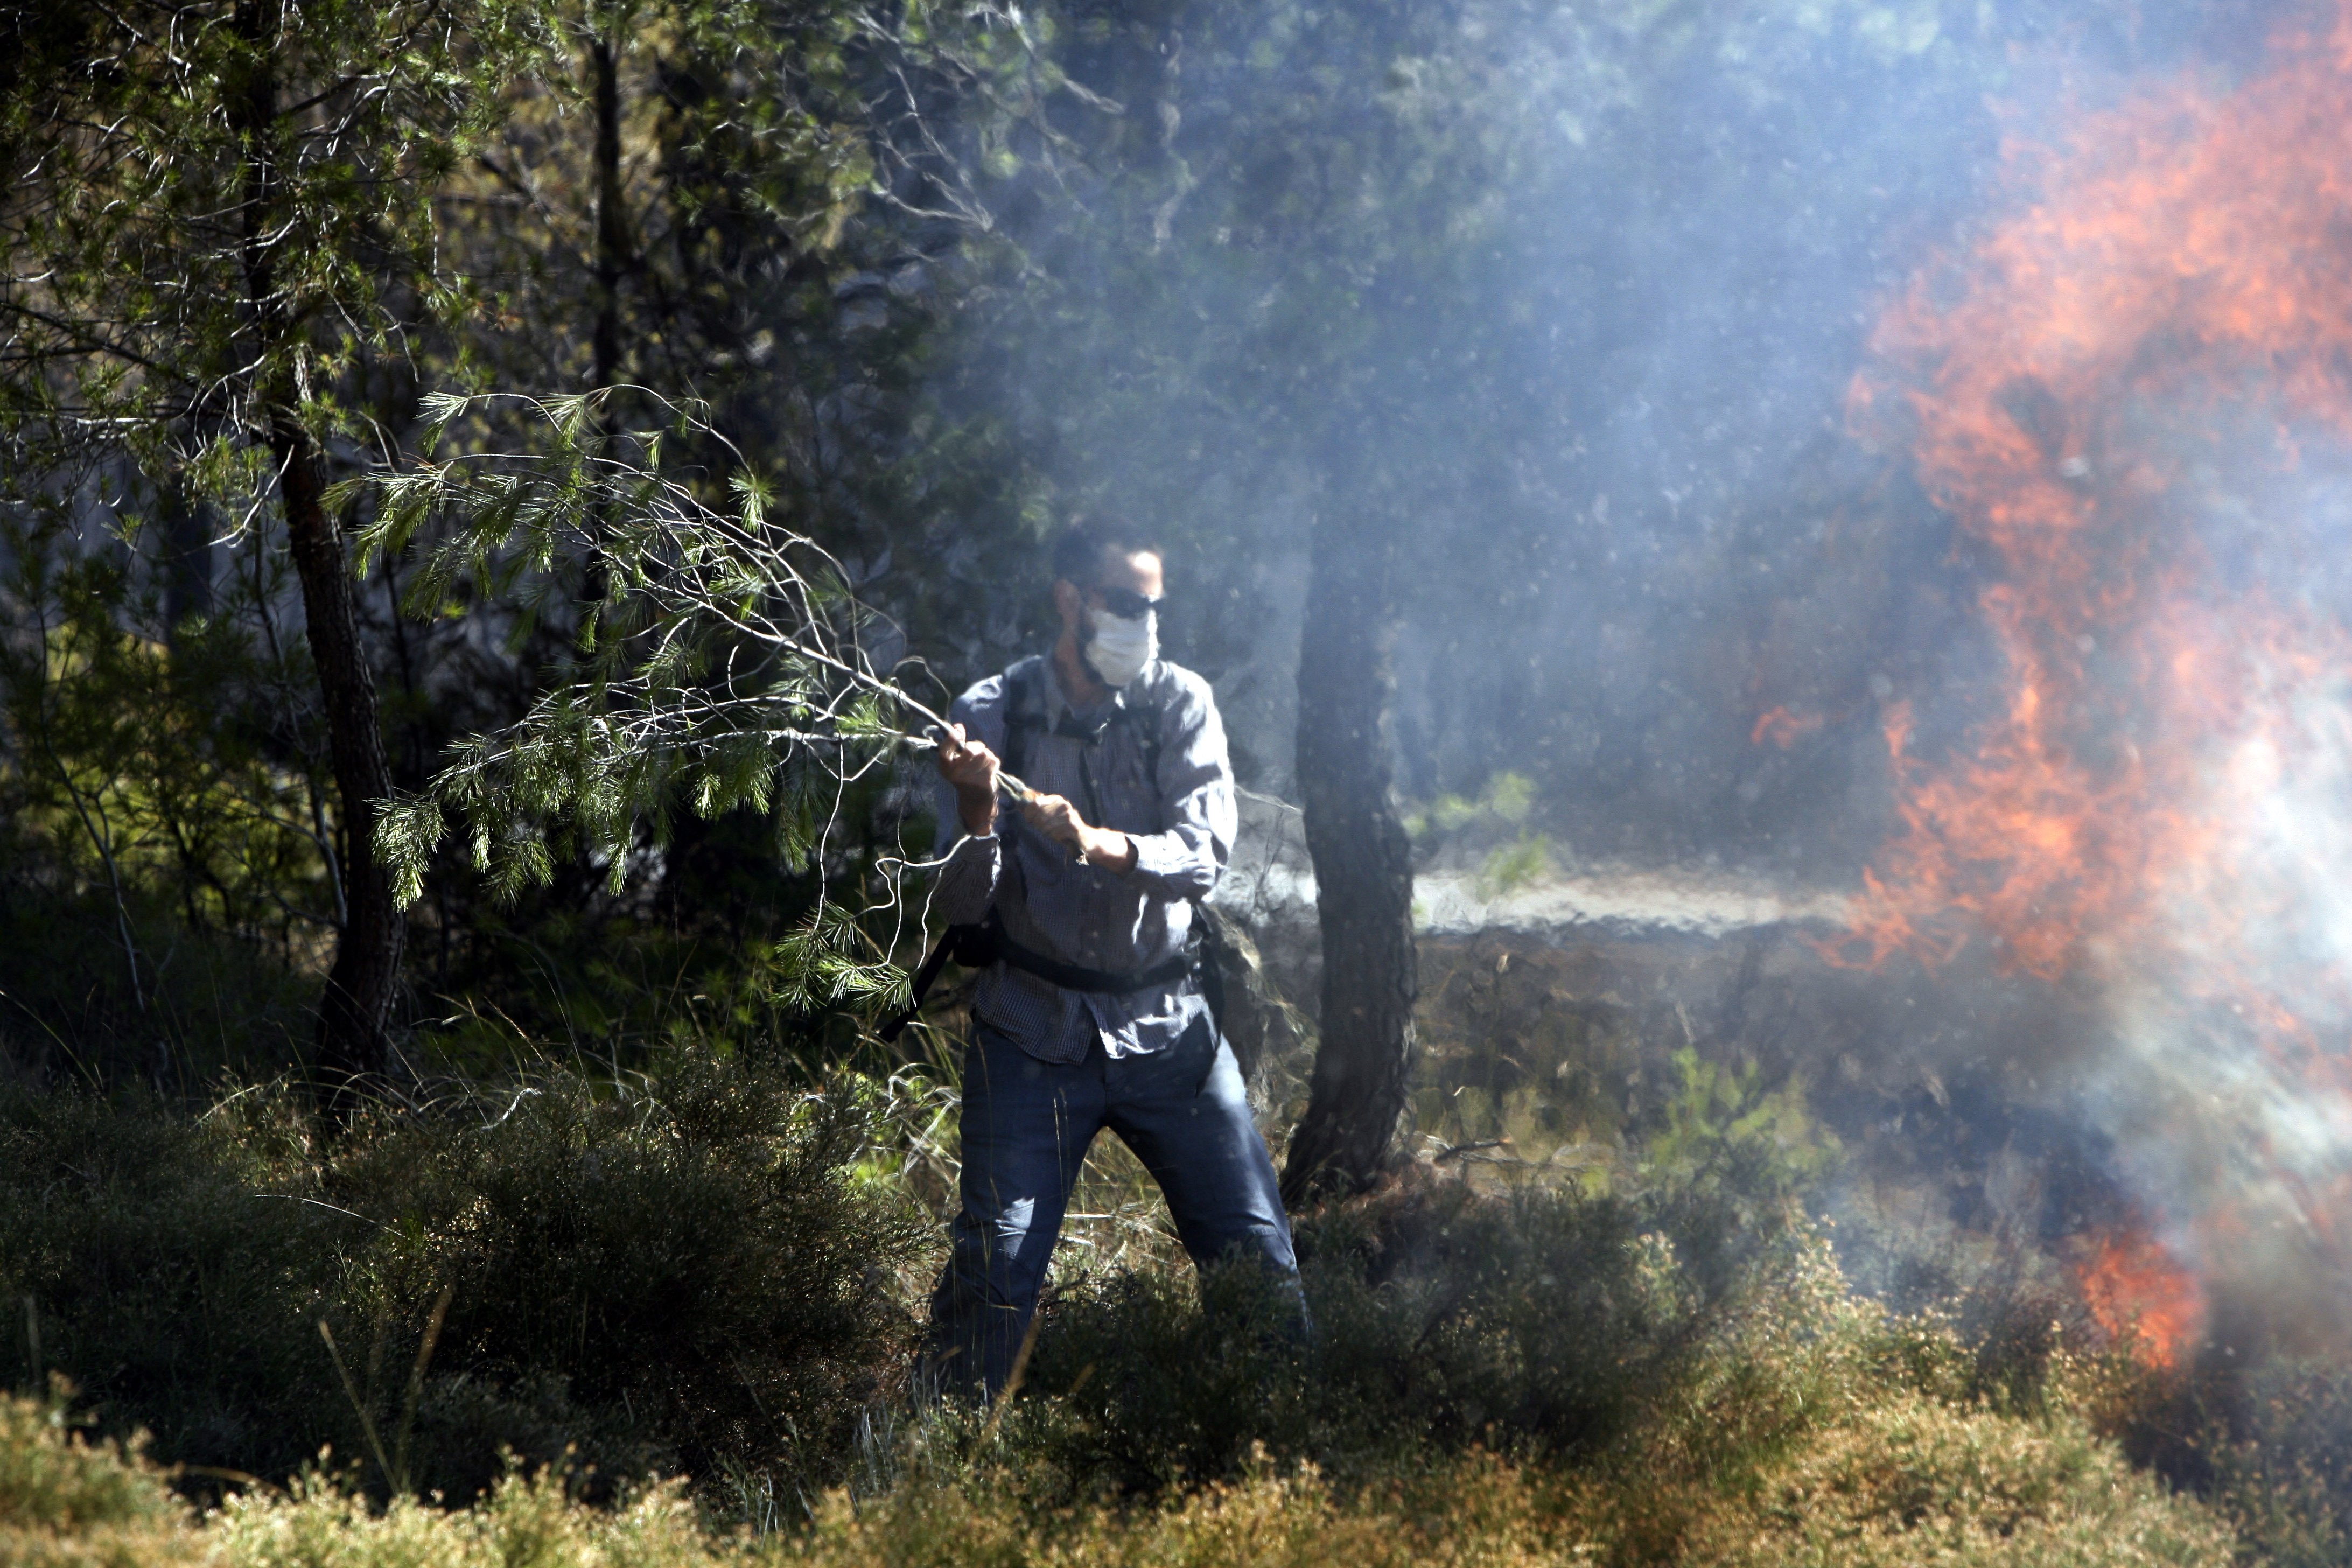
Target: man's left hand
{"points": [[1058, 820]]}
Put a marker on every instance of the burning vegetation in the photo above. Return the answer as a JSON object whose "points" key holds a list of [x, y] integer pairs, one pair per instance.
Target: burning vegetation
{"points": [[2133, 392]]}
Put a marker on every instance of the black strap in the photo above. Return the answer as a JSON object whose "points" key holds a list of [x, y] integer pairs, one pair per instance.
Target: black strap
{"points": [[974, 946], [978, 946], [1103, 981], [924, 978], [1024, 709]]}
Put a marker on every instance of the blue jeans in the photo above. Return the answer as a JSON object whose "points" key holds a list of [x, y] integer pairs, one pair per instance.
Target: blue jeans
{"points": [[1026, 1126]]}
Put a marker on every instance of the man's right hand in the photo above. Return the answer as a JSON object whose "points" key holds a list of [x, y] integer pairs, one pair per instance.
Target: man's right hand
{"points": [[970, 767]]}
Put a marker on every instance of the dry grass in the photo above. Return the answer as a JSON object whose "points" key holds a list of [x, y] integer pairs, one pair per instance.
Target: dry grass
{"points": [[1675, 1374], [1914, 1481]]}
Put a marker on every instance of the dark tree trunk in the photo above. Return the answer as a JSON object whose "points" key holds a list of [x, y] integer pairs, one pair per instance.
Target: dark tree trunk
{"points": [[612, 223], [353, 1046], [612, 260], [1363, 865], [187, 559]]}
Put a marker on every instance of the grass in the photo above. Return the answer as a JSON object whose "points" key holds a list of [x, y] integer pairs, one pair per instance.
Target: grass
{"points": [[717, 1275], [1855, 1446]]}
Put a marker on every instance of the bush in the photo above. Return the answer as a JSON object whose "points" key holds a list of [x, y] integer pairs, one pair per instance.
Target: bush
{"points": [[1542, 1318], [692, 1274], [651, 1277], [1442, 1319], [1694, 1397], [175, 1269], [667, 1276]]}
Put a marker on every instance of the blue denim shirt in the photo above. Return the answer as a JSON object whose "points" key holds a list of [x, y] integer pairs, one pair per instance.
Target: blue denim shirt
{"points": [[1182, 827]]}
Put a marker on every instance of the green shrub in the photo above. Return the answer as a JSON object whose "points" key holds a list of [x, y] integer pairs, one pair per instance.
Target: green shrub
{"points": [[664, 1276], [1541, 1319], [652, 1277], [711, 1274], [175, 1269], [2282, 1465]]}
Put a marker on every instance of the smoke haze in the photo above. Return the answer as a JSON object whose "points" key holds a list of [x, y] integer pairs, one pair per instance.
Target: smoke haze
{"points": [[1668, 367]]}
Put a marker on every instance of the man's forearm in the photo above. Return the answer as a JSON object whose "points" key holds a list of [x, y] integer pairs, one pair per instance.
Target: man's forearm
{"points": [[1181, 863], [1108, 848]]}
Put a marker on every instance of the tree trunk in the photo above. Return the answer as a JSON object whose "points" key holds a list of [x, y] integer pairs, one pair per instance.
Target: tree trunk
{"points": [[1363, 865], [352, 1046], [612, 259], [612, 223]]}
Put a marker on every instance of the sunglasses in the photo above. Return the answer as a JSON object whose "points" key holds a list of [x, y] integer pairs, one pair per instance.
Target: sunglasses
{"points": [[1126, 603]]}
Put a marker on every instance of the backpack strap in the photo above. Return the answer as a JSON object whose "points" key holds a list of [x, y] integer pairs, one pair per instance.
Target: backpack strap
{"points": [[974, 946], [978, 946], [1025, 712], [1025, 715]]}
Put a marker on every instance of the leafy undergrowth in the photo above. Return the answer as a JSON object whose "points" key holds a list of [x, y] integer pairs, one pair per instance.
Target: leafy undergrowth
{"points": [[641, 1277], [1909, 1479], [718, 1276], [1814, 1428]]}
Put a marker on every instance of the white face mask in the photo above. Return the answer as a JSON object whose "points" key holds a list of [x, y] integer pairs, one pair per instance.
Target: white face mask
{"points": [[1119, 647]]}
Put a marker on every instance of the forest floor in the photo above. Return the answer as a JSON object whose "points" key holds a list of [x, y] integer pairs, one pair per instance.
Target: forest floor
{"points": [[1671, 1371]]}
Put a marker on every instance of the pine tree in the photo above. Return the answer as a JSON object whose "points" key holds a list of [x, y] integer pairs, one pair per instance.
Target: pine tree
{"points": [[220, 247]]}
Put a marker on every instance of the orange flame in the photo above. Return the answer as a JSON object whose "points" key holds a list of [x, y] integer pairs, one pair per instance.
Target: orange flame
{"points": [[2184, 243], [2140, 1297], [2107, 393], [1782, 728]]}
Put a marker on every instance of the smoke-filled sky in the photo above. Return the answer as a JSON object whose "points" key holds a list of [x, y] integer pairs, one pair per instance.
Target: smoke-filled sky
{"points": [[1589, 288]]}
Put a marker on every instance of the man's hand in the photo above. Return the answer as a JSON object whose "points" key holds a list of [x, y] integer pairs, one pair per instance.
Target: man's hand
{"points": [[970, 767], [1057, 819]]}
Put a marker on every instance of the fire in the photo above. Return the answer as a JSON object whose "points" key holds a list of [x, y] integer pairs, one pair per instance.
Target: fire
{"points": [[1783, 729], [2140, 1296], [2134, 394]]}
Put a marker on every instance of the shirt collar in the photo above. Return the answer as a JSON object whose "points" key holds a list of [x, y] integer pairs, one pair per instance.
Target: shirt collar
{"points": [[1057, 702]]}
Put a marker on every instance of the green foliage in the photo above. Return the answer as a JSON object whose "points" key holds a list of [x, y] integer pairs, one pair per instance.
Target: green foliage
{"points": [[2283, 1467], [1777, 1419], [686, 1266], [645, 1277], [1541, 1375], [67, 1503], [1503, 806], [1542, 1318], [148, 324], [175, 1270], [1507, 799], [1725, 1132], [318, 221], [165, 798], [48, 1480], [1510, 866], [726, 669], [2018, 1496]]}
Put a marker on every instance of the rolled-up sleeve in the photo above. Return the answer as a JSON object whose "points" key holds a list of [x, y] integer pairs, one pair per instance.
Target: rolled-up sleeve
{"points": [[967, 884], [1184, 859], [972, 864]]}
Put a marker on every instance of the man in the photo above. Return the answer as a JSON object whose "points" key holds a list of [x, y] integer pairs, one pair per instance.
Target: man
{"points": [[1092, 1014]]}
